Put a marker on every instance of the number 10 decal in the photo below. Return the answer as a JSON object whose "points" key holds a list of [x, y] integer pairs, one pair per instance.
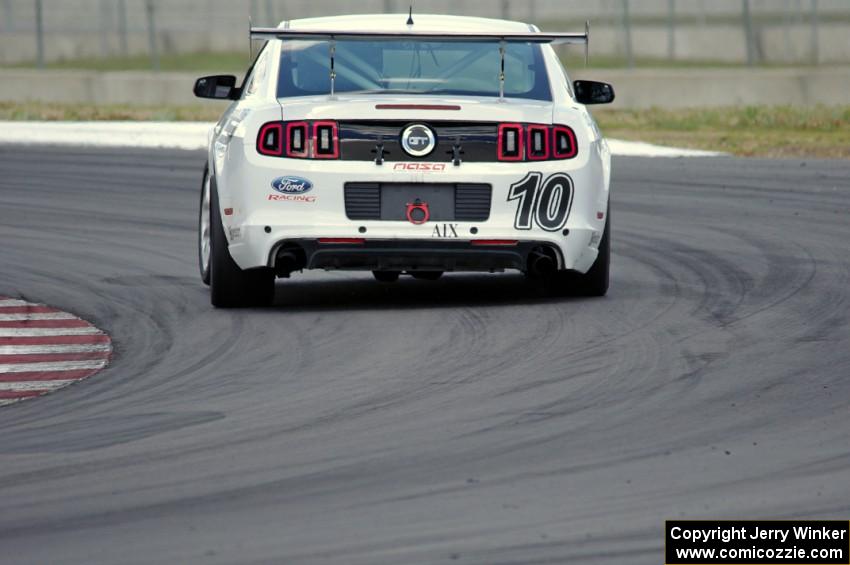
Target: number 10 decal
{"points": [[547, 203]]}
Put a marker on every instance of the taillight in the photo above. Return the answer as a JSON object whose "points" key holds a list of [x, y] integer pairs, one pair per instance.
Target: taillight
{"points": [[538, 143], [510, 142], [325, 140], [565, 143], [270, 140], [299, 140], [535, 142]]}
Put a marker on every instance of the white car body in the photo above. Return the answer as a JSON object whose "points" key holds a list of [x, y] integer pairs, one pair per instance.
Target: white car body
{"points": [[258, 219]]}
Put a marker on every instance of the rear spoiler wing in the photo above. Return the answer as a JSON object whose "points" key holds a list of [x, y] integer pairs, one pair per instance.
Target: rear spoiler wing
{"points": [[332, 36], [506, 37]]}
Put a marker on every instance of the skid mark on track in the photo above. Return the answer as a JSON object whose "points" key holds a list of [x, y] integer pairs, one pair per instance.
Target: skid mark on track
{"points": [[43, 349]]}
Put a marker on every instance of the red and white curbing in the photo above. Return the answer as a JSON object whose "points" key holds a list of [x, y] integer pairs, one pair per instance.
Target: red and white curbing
{"points": [[43, 349]]}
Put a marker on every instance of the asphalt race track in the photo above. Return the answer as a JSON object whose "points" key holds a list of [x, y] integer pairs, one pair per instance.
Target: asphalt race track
{"points": [[470, 420]]}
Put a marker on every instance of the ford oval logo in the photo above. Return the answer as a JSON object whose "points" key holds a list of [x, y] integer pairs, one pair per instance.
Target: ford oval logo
{"points": [[418, 140], [292, 185]]}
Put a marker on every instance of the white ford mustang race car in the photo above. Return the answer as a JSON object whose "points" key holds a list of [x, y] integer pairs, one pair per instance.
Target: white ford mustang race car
{"points": [[404, 144]]}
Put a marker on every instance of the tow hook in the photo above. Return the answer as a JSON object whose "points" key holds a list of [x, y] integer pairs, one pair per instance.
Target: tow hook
{"points": [[418, 212]]}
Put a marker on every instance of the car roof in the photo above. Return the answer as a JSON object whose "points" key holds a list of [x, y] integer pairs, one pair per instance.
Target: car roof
{"points": [[398, 22]]}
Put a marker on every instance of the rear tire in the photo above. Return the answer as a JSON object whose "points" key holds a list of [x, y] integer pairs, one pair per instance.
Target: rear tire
{"points": [[204, 235], [230, 286], [594, 282], [386, 276], [426, 275]]}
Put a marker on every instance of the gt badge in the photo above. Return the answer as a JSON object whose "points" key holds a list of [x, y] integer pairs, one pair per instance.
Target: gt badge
{"points": [[418, 140], [418, 213]]}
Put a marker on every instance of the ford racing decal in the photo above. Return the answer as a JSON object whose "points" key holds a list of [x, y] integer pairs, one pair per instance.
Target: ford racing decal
{"points": [[292, 185]]}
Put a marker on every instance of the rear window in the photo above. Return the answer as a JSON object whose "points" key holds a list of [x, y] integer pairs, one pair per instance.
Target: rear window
{"points": [[412, 67]]}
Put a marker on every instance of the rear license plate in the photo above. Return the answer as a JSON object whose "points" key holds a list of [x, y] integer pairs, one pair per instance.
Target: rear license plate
{"points": [[440, 200]]}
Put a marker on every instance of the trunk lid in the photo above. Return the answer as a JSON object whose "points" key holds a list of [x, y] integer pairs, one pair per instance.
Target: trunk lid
{"points": [[416, 108]]}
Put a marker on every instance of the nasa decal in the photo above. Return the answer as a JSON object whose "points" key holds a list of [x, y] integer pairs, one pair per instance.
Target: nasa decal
{"points": [[420, 167]]}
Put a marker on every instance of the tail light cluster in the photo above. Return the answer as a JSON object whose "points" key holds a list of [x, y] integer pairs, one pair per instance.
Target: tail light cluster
{"points": [[299, 140], [535, 142]]}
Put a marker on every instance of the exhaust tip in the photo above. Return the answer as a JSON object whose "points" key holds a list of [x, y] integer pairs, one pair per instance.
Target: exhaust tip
{"points": [[288, 259], [542, 262]]}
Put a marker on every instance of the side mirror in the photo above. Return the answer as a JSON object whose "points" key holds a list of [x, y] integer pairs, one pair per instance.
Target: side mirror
{"points": [[592, 92], [218, 87]]}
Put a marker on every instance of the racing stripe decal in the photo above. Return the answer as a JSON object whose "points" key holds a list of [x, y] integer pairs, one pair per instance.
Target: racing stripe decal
{"points": [[43, 349]]}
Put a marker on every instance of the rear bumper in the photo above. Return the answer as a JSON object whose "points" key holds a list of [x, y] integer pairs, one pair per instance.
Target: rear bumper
{"points": [[259, 222], [405, 255]]}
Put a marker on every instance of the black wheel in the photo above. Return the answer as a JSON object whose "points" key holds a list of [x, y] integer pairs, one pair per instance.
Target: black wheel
{"points": [[230, 286], [204, 234], [426, 275], [386, 276], [595, 281]]}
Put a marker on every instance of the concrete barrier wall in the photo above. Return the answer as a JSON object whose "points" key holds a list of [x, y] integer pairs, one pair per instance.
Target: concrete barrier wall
{"points": [[782, 30], [641, 88], [143, 88], [726, 42], [683, 88]]}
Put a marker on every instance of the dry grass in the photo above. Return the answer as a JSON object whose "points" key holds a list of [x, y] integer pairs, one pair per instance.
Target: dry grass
{"points": [[38, 111], [758, 131]]}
